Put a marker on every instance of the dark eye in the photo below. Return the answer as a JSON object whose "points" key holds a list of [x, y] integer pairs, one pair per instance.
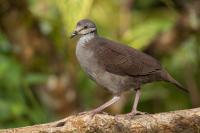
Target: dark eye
{"points": [[85, 27]]}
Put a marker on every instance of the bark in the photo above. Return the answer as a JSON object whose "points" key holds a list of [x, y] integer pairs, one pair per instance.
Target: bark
{"points": [[187, 121]]}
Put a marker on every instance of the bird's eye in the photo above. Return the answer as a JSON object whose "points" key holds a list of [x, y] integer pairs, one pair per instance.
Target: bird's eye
{"points": [[85, 27]]}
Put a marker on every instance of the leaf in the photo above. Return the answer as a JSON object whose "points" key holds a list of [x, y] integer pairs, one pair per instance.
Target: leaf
{"points": [[36, 78], [146, 27], [72, 11]]}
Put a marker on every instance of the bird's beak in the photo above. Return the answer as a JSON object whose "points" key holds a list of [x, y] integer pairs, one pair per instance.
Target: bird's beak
{"points": [[74, 34]]}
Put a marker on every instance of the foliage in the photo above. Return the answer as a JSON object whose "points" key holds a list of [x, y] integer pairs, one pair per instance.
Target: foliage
{"points": [[72, 11], [21, 100]]}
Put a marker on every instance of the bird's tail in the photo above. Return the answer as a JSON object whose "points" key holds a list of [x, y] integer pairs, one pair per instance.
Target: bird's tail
{"points": [[167, 77]]}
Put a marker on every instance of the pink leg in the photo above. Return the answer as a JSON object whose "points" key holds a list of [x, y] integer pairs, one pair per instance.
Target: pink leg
{"points": [[137, 98], [134, 108], [105, 105], [136, 101]]}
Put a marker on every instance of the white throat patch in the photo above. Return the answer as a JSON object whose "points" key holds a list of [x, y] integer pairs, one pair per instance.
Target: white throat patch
{"points": [[85, 38]]}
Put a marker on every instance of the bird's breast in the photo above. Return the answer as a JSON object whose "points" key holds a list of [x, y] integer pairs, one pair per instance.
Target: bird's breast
{"points": [[87, 60]]}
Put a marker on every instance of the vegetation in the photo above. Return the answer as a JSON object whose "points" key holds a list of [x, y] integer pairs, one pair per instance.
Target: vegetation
{"points": [[40, 79]]}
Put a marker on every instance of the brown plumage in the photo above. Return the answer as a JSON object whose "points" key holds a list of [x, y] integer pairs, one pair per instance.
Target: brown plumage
{"points": [[115, 66], [126, 61]]}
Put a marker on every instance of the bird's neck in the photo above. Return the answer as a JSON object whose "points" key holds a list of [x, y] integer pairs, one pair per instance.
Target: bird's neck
{"points": [[84, 39]]}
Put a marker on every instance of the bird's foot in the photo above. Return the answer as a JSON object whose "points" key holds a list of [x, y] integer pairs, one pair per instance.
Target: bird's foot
{"points": [[138, 113], [83, 113], [92, 112], [131, 114]]}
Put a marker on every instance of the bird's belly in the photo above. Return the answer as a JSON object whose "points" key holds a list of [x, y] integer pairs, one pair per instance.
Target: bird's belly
{"points": [[112, 82]]}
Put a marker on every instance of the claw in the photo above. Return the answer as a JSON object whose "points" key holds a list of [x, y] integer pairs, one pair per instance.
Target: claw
{"points": [[139, 113], [83, 113], [92, 113], [131, 114]]}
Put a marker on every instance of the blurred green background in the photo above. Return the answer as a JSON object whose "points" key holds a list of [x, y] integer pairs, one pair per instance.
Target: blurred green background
{"points": [[41, 80]]}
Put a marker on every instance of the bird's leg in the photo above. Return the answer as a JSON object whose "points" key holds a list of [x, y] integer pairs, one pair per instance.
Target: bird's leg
{"points": [[102, 107], [136, 101], [134, 108]]}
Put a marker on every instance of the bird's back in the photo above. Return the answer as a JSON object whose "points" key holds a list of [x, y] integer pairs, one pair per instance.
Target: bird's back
{"points": [[124, 60]]}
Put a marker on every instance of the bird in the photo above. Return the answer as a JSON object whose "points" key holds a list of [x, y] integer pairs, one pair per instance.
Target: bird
{"points": [[115, 66]]}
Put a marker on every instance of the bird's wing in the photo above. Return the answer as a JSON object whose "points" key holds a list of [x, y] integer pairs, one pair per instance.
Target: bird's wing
{"points": [[124, 60]]}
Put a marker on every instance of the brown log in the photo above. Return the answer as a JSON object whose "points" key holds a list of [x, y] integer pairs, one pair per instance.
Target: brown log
{"points": [[187, 121]]}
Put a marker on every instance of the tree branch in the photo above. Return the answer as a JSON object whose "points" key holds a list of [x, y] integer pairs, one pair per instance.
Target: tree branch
{"points": [[176, 122]]}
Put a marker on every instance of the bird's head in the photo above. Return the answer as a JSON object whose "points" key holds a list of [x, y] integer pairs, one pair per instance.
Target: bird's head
{"points": [[83, 27]]}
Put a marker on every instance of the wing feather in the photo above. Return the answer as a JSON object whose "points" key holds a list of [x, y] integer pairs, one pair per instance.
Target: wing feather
{"points": [[123, 60]]}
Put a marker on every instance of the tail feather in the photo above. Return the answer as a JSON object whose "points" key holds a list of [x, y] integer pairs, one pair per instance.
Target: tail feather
{"points": [[179, 85], [166, 76]]}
